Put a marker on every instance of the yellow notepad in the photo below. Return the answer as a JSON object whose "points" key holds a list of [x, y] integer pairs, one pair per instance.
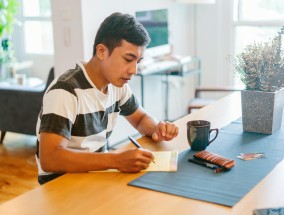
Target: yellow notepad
{"points": [[165, 161]]}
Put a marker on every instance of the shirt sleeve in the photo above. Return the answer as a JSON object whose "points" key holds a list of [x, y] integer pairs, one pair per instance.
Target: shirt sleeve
{"points": [[128, 103], [59, 110]]}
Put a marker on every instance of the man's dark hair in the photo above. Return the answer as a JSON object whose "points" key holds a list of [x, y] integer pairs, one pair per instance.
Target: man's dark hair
{"points": [[118, 27]]}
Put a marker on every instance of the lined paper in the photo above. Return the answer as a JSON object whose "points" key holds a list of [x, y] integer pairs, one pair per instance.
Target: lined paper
{"points": [[165, 161]]}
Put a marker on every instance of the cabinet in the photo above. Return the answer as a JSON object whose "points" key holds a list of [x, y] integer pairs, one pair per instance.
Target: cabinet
{"points": [[182, 67]]}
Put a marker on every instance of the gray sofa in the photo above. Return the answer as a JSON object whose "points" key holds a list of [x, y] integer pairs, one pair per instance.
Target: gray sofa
{"points": [[19, 108]]}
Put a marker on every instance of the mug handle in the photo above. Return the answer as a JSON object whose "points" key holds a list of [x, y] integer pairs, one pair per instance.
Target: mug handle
{"points": [[217, 131]]}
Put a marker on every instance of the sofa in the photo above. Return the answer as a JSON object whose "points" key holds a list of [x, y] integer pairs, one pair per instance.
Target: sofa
{"points": [[20, 107]]}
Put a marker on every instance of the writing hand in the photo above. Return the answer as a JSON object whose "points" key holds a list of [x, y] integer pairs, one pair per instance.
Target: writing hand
{"points": [[134, 160]]}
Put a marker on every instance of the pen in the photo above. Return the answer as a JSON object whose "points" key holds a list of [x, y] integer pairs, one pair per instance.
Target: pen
{"points": [[216, 168], [135, 143]]}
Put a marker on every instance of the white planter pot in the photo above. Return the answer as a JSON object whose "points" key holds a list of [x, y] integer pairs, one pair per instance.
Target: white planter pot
{"points": [[262, 111]]}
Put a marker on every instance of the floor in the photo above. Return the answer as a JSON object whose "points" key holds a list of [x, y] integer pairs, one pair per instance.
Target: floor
{"points": [[18, 170]]}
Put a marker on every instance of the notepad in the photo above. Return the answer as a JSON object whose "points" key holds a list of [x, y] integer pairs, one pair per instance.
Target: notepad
{"points": [[165, 161]]}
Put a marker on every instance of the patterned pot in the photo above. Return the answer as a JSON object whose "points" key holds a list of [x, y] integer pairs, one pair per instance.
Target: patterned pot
{"points": [[262, 111]]}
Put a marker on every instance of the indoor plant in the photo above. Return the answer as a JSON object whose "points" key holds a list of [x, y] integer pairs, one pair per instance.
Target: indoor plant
{"points": [[8, 10], [261, 68]]}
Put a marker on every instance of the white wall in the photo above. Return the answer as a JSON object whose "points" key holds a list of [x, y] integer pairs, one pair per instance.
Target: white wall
{"points": [[214, 42], [68, 34]]}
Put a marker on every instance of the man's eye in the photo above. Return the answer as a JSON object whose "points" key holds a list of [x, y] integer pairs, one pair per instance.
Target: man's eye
{"points": [[128, 60]]}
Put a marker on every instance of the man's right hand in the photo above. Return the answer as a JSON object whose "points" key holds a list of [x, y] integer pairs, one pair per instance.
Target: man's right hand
{"points": [[133, 160], [56, 157]]}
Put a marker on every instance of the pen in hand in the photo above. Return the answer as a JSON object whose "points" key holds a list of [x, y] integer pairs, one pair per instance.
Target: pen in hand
{"points": [[135, 143]]}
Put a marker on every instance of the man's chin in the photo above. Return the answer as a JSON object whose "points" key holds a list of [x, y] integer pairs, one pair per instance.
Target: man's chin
{"points": [[118, 84]]}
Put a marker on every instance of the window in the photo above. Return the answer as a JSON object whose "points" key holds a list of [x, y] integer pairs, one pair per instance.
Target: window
{"points": [[256, 20], [37, 27]]}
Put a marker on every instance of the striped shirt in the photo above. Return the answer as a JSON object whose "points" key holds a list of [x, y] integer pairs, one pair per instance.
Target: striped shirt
{"points": [[74, 108]]}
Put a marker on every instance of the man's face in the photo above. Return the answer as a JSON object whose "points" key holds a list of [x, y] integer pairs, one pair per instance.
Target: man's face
{"points": [[119, 67]]}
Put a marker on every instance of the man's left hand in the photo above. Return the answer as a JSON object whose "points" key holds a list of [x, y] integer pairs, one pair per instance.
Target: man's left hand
{"points": [[165, 131]]}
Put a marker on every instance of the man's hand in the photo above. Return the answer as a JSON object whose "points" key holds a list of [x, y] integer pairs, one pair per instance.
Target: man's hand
{"points": [[133, 160], [165, 131]]}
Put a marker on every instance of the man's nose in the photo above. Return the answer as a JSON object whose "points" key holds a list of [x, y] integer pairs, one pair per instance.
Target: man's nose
{"points": [[134, 68]]}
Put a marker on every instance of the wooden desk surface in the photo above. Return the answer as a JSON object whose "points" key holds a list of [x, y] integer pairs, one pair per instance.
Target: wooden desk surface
{"points": [[108, 193]]}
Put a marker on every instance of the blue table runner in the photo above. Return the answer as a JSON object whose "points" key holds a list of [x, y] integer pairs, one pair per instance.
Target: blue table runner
{"points": [[226, 188]]}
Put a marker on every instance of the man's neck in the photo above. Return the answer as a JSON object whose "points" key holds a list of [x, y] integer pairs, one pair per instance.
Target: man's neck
{"points": [[94, 74]]}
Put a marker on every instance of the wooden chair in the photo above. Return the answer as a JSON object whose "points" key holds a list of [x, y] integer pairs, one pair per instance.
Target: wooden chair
{"points": [[198, 101]]}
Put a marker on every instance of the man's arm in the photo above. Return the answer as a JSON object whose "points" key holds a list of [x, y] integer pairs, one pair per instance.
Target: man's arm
{"points": [[150, 126], [56, 157]]}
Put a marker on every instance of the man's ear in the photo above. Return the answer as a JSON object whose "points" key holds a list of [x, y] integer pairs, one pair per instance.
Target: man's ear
{"points": [[101, 51]]}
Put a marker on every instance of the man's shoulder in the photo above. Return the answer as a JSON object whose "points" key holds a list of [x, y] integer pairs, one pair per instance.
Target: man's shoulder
{"points": [[73, 79], [71, 75]]}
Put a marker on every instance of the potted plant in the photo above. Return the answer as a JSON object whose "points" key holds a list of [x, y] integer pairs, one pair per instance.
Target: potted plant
{"points": [[261, 68], [8, 10]]}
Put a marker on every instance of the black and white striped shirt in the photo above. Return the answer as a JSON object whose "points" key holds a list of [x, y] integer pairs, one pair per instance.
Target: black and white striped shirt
{"points": [[74, 108]]}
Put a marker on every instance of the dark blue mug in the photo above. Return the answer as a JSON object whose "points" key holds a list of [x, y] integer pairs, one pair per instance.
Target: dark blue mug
{"points": [[198, 134]]}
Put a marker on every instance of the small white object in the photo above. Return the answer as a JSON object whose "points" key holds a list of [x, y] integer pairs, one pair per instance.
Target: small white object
{"points": [[20, 79]]}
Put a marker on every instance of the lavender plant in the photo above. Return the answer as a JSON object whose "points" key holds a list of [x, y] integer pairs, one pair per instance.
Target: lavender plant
{"points": [[261, 65]]}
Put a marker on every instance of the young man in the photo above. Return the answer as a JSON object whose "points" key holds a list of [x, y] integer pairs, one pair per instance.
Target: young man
{"points": [[81, 106]]}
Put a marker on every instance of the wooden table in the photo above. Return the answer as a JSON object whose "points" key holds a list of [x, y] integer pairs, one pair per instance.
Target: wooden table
{"points": [[108, 193]]}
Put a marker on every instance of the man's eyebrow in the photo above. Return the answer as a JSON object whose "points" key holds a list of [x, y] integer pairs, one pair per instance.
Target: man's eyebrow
{"points": [[131, 55]]}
